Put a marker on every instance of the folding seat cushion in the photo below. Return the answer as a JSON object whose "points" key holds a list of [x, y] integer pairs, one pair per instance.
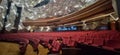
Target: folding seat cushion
{"points": [[98, 41], [76, 38], [65, 40], [106, 37], [115, 36], [72, 42], [46, 39], [35, 43], [88, 40], [56, 45], [23, 44], [81, 39], [44, 43]]}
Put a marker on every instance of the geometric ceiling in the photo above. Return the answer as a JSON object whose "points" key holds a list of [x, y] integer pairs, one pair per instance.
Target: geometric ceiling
{"points": [[35, 9], [54, 8]]}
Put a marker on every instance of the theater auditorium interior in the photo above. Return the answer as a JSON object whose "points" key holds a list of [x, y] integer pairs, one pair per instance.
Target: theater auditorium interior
{"points": [[59, 27]]}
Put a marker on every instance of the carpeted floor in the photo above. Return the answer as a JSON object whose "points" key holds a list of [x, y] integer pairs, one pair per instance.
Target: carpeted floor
{"points": [[7, 48]]}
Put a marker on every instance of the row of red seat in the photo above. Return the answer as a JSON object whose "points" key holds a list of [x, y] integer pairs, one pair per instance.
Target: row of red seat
{"points": [[106, 39]]}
